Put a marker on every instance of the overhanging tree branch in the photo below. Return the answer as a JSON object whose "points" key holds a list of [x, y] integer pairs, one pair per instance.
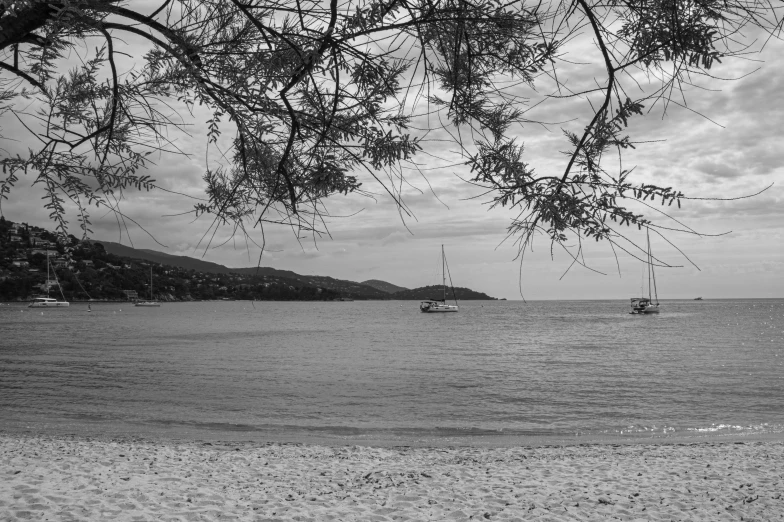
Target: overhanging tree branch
{"points": [[321, 95]]}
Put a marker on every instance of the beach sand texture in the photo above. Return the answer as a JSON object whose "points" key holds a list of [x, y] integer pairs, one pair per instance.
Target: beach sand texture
{"points": [[70, 478]]}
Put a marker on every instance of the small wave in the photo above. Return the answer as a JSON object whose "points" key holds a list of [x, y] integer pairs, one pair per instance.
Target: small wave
{"points": [[758, 428]]}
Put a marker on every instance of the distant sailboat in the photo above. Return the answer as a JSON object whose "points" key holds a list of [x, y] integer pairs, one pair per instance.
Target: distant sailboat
{"points": [[439, 305], [150, 302], [646, 305]]}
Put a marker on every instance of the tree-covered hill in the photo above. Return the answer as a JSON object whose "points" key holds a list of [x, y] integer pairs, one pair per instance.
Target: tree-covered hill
{"points": [[162, 258], [347, 289], [83, 270], [437, 292], [383, 286]]}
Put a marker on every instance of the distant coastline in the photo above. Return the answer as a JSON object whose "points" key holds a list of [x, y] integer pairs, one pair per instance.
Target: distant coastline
{"points": [[94, 271]]}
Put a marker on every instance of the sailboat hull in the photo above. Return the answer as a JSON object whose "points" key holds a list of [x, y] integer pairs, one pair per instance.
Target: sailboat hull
{"points": [[435, 307], [49, 304], [147, 304], [440, 309], [643, 307]]}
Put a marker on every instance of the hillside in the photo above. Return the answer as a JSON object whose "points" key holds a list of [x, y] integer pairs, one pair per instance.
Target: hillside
{"points": [[383, 286], [348, 289], [105, 270], [437, 292], [188, 263], [85, 270]]}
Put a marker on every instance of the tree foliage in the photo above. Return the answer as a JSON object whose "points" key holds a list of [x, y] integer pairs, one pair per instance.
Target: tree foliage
{"points": [[320, 94]]}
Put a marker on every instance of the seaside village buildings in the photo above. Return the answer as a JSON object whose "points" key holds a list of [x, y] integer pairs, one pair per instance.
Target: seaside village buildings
{"points": [[25, 252], [25, 241]]}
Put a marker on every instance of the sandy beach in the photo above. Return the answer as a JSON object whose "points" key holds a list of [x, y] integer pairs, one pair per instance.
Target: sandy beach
{"points": [[71, 478]]}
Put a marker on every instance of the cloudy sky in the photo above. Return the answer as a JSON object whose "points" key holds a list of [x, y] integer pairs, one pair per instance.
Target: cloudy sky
{"points": [[739, 152]]}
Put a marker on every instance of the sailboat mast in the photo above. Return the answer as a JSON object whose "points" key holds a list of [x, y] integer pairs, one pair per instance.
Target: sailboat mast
{"points": [[47, 271], [653, 273], [443, 272], [650, 260], [150, 283]]}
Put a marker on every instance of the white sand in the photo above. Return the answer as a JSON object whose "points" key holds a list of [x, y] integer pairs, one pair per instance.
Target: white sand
{"points": [[67, 478]]}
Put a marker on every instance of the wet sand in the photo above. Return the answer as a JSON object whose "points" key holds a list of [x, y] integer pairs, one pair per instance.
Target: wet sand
{"points": [[75, 478]]}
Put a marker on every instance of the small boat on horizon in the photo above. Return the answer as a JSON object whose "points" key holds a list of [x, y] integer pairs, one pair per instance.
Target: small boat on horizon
{"points": [[698, 298]]}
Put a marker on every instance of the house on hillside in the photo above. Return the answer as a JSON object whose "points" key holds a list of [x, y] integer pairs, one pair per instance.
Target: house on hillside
{"points": [[48, 285], [20, 263], [43, 251], [18, 228], [36, 241], [15, 238]]}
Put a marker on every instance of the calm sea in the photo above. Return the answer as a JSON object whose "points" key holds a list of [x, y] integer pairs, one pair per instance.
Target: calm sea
{"points": [[382, 371]]}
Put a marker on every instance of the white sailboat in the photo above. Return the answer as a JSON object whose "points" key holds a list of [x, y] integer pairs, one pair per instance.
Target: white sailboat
{"points": [[49, 302], [430, 306], [150, 302], [646, 305]]}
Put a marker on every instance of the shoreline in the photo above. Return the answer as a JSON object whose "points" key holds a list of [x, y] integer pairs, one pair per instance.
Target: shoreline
{"points": [[63, 477], [169, 433]]}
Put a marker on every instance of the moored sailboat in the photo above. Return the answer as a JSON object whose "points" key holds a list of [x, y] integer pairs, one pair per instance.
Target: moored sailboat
{"points": [[646, 305], [49, 302], [439, 305], [151, 302]]}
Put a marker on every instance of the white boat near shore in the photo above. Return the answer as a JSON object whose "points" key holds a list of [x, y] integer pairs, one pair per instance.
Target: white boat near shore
{"points": [[49, 302], [151, 303]]}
